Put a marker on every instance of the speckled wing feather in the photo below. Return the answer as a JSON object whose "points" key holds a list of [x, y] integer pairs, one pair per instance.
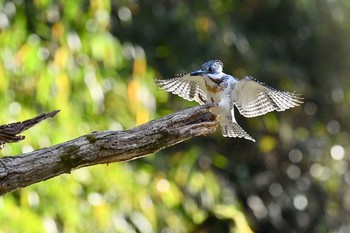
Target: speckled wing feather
{"points": [[186, 86], [253, 98]]}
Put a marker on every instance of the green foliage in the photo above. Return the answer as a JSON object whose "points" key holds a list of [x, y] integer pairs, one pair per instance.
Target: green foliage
{"points": [[56, 56], [96, 61]]}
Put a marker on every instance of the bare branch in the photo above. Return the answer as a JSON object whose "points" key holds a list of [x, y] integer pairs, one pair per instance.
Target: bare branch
{"points": [[9, 133], [104, 147]]}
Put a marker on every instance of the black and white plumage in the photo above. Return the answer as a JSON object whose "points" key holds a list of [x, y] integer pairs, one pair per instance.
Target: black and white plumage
{"points": [[210, 85]]}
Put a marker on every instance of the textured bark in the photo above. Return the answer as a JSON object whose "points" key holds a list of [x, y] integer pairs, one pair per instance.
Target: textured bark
{"points": [[10, 133], [104, 147]]}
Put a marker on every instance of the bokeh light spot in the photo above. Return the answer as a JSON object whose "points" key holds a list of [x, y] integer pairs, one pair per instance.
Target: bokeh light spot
{"points": [[337, 95], [73, 41], [293, 172], [33, 199], [4, 21], [163, 185], [53, 15], [124, 14], [27, 148], [295, 155], [300, 202], [14, 108], [258, 207], [95, 199], [304, 33], [9, 8], [102, 17], [50, 225], [337, 152], [267, 144], [318, 171], [310, 108], [333, 127], [276, 190]]}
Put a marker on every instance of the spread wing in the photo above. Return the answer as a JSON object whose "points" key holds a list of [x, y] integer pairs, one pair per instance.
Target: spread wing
{"points": [[253, 98], [186, 86]]}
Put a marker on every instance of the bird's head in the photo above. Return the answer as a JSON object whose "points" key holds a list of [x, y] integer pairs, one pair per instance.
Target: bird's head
{"points": [[212, 69]]}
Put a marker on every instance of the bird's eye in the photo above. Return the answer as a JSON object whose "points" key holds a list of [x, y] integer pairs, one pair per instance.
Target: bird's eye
{"points": [[211, 70]]}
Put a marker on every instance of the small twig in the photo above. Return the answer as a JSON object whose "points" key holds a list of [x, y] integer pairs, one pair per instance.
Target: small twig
{"points": [[9, 133]]}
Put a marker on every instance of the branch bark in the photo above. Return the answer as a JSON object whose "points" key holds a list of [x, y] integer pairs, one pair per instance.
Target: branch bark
{"points": [[104, 147], [10, 133]]}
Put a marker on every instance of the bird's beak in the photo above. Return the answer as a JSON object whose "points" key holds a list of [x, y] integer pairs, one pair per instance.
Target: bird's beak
{"points": [[197, 73]]}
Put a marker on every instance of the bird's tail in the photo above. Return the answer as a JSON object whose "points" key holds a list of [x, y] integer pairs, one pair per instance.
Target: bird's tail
{"points": [[234, 130]]}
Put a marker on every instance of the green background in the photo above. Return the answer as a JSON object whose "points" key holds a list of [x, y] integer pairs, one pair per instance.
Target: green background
{"points": [[96, 61]]}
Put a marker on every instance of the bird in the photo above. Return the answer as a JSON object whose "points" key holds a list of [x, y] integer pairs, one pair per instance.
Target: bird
{"points": [[210, 85]]}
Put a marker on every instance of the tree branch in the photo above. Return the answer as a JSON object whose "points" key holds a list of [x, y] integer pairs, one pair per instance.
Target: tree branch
{"points": [[9, 133], [104, 147]]}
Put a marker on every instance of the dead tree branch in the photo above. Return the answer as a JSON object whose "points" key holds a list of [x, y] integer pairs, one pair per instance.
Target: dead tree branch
{"points": [[9, 133], [104, 147]]}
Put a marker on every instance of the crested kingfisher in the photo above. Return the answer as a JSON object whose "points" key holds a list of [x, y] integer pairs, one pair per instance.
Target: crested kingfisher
{"points": [[210, 85]]}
